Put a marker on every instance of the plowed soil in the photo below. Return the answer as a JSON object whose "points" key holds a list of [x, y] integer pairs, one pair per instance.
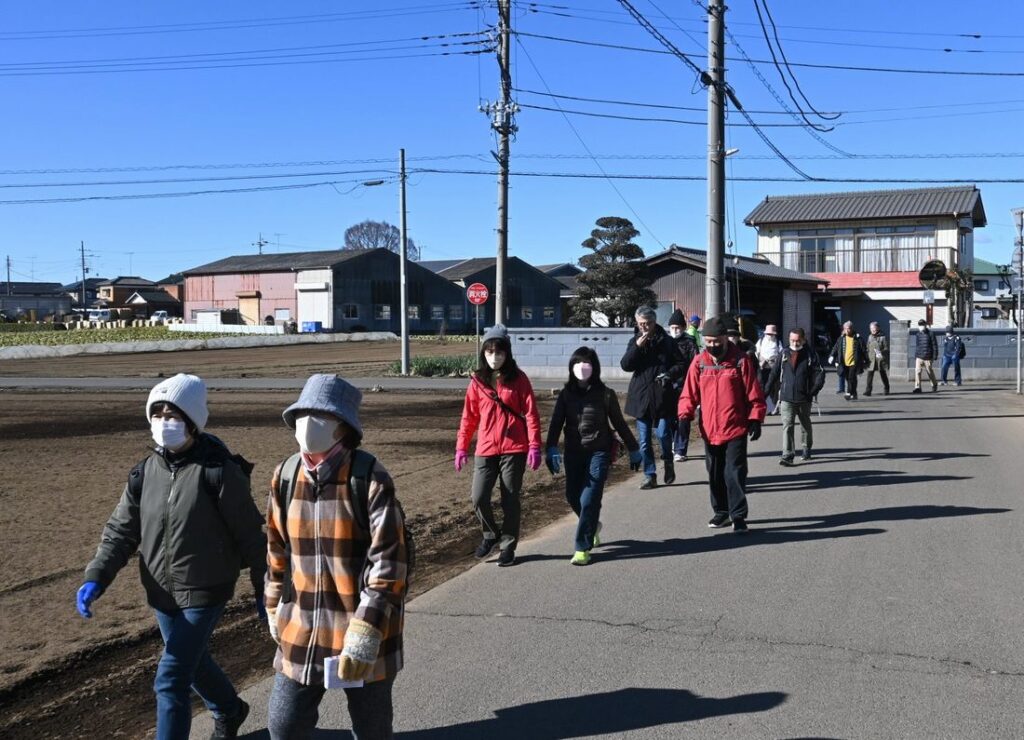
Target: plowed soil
{"points": [[64, 458]]}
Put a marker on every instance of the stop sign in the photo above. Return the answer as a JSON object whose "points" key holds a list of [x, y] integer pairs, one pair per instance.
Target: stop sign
{"points": [[477, 294]]}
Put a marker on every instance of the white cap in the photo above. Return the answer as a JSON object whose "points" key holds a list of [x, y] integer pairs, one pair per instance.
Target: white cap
{"points": [[187, 393]]}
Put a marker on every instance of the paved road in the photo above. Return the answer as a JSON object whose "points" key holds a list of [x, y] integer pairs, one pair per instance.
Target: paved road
{"points": [[878, 594]]}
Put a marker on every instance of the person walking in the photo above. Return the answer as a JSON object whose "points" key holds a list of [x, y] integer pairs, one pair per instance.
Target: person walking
{"points": [[925, 351], [688, 350], [694, 331], [188, 511], [878, 358], [587, 410], [767, 351], [338, 569], [653, 358], [849, 353], [799, 378], [953, 350], [501, 411], [723, 382]]}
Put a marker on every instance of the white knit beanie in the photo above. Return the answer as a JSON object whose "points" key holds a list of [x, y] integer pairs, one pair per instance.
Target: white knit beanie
{"points": [[187, 393]]}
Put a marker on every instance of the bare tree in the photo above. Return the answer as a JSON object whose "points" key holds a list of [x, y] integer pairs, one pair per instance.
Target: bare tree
{"points": [[376, 234]]}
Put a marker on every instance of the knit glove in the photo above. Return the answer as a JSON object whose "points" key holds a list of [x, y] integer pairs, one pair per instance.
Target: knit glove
{"points": [[636, 458], [553, 460], [754, 430], [461, 456], [533, 458], [272, 623], [362, 645]]}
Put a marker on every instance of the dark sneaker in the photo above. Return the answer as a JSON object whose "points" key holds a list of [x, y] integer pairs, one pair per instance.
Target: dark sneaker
{"points": [[935, 387], [916, 390], [228, 726], [718, 521], [670, 473], [886, 392], [739, 526], [867, 393], [806, 456], [786, 462], [485, 547], [507, 557], [848, 397], [650, 481]]}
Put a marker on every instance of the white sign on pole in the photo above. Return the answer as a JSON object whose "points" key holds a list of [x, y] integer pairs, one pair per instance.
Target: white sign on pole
{"points": [[929, 297]]}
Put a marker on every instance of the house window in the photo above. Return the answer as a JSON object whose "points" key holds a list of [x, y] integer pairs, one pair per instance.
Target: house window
{"points": [[350, 311], [437, 313], [895, 248], [414, 313], [455, 313], [282, 314], [527, 313], [549, 313], [981, 286], [383, 312]]}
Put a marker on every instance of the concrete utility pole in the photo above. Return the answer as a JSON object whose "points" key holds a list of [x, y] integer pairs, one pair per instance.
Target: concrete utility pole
{"points": [[714, 304], [8, 274], [502, 121], [81, 249], [404, 258], [1018, 258]]}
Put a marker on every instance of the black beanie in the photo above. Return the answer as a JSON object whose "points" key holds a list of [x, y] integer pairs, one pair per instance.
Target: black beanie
{"points": [[677, 318], [716, 326]]}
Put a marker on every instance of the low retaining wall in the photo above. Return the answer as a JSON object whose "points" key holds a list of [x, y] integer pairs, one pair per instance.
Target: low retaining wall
{"points": [[29, 352], [991, 353], [545, 353], [249, 329]]}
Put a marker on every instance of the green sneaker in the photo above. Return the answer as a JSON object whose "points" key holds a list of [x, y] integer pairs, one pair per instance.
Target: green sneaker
{"points": [[597, 536], [580, 558]]}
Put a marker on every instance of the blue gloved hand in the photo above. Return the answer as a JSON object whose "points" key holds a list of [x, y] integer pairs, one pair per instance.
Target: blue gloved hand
{"points": [[261, 609], [553, 460], [88, 593], [635, 460]]}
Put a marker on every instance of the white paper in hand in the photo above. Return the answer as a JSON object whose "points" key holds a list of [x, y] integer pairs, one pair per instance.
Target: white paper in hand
{"points": [[331, 678]]}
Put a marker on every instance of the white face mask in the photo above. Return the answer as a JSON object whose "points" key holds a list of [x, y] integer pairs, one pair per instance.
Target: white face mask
{"points": [[495, 359], [675, 331], [315, 434], [583, 371], [171, 434], [795, 346]]}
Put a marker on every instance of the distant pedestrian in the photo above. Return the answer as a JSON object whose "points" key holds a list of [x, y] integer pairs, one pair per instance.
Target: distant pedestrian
{"points": [[735, 333], [653, 358], [767, 351], [688, 350], [849, 353], [338, 574], [925, 351], [800, 378], [694, 331], [501, 411], [723, 382], [878, 358], [188, 512], [953, 350], [588, 411]]}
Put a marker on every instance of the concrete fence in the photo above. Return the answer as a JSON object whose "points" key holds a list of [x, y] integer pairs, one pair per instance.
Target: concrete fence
{"points": [[545, 353], [991, 353]]}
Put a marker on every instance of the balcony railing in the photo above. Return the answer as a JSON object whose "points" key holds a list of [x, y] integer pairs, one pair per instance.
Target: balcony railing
{"points": [[886, 259]]}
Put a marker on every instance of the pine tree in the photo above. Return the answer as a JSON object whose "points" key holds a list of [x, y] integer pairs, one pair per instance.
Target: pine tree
{"points": [[615, 280]]}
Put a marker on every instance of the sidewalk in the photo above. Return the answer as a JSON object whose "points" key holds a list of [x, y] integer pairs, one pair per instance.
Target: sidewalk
{"points": [[877, 595]]}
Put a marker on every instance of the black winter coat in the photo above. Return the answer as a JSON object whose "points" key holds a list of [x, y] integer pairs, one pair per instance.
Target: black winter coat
{"points": [[659, 355], [586, 415], [860, 355], [799, 384], [925, 346]]}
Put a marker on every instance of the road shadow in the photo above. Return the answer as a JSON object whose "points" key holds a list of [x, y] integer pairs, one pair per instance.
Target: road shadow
{"points": [[885, 514], [820, 478], [611, 713], [884, 453]]}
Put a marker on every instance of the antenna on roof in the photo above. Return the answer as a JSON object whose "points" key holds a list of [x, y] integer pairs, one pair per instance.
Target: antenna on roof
{"points": [[260, 243]]}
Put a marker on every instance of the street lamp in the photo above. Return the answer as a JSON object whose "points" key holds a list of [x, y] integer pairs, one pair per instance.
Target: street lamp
{"points": [[1018, 259]]}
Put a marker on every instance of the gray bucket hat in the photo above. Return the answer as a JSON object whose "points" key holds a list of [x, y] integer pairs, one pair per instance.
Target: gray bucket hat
{"points": [[329, 394]]}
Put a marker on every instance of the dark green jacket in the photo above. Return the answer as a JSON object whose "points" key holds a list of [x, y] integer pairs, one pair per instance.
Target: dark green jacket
{"points": [[192, 541]]}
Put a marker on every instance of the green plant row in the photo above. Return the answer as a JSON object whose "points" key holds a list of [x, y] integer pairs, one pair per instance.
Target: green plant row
{"points": [[437, 366], [98, 336], [10, 328], [442, 339]]}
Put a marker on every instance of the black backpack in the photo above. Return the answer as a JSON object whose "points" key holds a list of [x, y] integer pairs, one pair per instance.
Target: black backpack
{"points": [[213, 468], [359, 484]]}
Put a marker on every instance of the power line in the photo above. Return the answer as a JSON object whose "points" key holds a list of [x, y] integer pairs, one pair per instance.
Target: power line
{"points": [[650, 119], [179, 180], [660, 106]]}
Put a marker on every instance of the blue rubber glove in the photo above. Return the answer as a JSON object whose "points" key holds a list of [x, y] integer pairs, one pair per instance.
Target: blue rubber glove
{"points": [[635, 459], [554, 460], [88, 593], [261, 609]]}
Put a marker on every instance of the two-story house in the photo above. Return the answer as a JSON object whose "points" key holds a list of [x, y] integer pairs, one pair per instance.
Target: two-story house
{"points": [[993, 296], [871, 246]]}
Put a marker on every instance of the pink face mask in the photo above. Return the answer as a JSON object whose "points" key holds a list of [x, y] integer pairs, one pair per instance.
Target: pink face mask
{"points": [[583, 371]]}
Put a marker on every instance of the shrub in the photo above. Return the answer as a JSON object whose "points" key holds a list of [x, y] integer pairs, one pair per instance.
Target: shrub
{"points": [[436, 366]]}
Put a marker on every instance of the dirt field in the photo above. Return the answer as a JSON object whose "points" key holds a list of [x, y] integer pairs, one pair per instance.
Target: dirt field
{"points": [[63, 460]]}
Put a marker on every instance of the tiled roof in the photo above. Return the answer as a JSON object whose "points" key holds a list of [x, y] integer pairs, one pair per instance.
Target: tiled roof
{"points": [[984, 267], [280, 262], [872, 280], [25, 288], [560, 269], [869, 205], [437, 266], [468, 267], [154, 296], [128, 281], [90, 284], [172, 279], [756, 267]]}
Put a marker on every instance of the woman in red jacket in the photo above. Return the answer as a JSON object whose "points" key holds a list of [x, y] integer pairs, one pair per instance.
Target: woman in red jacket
{"points": [[501, 410]]}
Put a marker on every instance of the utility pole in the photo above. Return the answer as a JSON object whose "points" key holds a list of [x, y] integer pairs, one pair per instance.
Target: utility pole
{"points": [[713, 302], [1018, 263], [503, 122], [81, 249], [8, 274], [260, 243], [404, 258]]}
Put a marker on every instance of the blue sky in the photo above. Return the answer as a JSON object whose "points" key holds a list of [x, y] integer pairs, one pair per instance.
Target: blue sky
{"points": [[364, 99]]}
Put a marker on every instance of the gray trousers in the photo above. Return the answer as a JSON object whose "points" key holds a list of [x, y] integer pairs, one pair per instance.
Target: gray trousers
{"points": [[507, 471], [790, 413], [294, 709]]}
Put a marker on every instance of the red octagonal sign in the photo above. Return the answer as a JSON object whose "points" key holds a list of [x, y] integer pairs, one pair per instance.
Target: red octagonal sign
{"points": [[477, 294]]}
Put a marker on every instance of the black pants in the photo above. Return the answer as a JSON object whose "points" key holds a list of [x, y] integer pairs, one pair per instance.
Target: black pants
{"points": [[850, 373], [871, 378], [727, 476]]}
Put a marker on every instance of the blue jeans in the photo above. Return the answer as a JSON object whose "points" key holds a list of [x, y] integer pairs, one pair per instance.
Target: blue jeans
{"points": [[585, 475], [295, 709], [955, 362], [662, 430], [681, 436], [186, 664]]}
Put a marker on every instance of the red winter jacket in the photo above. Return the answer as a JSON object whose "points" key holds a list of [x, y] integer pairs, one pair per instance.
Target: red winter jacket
{"points": [[501, 432], [727, 392]]}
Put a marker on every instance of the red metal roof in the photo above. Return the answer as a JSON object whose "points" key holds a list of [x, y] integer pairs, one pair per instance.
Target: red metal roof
{"points": [[870, 280]]}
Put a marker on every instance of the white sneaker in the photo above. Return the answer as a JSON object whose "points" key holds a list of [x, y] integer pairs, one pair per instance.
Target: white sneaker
{"points": [[679, 458]]}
